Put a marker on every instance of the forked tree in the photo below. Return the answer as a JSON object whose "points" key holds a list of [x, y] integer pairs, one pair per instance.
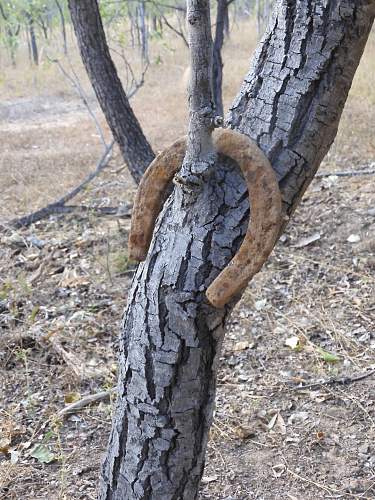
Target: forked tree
{"points": [[290, 104]]}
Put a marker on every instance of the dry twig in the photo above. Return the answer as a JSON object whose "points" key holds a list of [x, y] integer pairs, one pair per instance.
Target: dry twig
{"points": [[346, 173], [59, 206], [85, 401], [336, 380]]}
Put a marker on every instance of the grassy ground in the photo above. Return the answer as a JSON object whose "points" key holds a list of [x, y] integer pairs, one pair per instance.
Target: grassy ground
{"points": [[308, 316]]}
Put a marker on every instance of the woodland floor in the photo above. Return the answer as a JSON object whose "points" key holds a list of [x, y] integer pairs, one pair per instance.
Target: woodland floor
{"points": [[308, 317]]}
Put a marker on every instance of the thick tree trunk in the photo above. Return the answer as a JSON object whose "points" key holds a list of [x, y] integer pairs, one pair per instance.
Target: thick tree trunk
{"points": [[290, 104], [124, 125]]}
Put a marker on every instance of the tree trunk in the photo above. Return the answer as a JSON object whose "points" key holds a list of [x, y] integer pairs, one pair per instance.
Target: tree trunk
{"points": [[44, 27], [33, 43], [28, 46], [217, 67], [258, 14], [101, 70], [63, 29], [143, 32], [290, 104], [226, 20], [132, 27]]}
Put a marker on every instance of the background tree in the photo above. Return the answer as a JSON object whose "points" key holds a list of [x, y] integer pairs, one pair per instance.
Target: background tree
{"points": [[290, 104], [102, 72]]}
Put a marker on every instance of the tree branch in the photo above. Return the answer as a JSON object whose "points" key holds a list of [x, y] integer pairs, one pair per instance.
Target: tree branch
{"points": [[58, 206]]}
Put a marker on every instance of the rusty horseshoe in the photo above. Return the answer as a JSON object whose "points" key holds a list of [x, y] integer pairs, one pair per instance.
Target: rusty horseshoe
{"points": [[265, 202]]}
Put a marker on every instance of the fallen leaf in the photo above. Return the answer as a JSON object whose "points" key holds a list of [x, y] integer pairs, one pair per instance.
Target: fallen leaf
{"points": [[244, 432], [294, 343], [209, 479], [260, 304], [4, 445], [241, 346], [14, 456], [72, 397], [328, 357], [303, 242], [298, 417], [272, 422], [280, 424], [43, 454]]}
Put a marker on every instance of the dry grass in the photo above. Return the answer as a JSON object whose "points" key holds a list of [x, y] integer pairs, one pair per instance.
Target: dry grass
{"points": [[50, 142]]}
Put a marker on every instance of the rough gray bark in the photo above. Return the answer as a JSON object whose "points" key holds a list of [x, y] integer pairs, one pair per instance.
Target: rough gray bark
{"points": [[290, 103], [101, 70]]}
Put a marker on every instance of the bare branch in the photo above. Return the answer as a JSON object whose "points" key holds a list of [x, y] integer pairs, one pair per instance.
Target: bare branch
{"points": [[135, 84], [336, 380], [346, 173], [156, 4], [58, 205], [85, 401], [76, 84], [175, 30]]}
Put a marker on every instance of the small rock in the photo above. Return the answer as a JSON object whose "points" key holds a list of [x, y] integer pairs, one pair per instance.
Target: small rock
{"points": [[354, 238]]}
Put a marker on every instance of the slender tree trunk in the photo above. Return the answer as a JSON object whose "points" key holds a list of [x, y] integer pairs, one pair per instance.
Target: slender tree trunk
{"points": [[154, 23], [137, 24], [258, 14], [28, 46], [143, 32], [33, 42], [63, 28], [132, 37], [226, 21], [217, 67], [124, 125], [290, 104], [12, 46], [11, 36], [44, 28]]}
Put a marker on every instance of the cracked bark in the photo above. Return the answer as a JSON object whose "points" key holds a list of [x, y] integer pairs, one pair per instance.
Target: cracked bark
{"points": [[290, 103], [126, 130]]}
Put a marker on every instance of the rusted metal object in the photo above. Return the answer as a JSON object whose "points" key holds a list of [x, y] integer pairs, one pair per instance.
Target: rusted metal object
{"points": [[265, 203]]}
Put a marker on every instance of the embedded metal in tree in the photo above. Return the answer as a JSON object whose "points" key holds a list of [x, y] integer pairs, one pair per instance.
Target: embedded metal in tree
{"points": [[265, 201]]}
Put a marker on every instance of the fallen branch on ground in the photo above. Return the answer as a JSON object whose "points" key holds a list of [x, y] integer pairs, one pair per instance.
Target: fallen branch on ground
{"points": [[59, 206], [85, 401], [336, 380], [346, 173]]}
